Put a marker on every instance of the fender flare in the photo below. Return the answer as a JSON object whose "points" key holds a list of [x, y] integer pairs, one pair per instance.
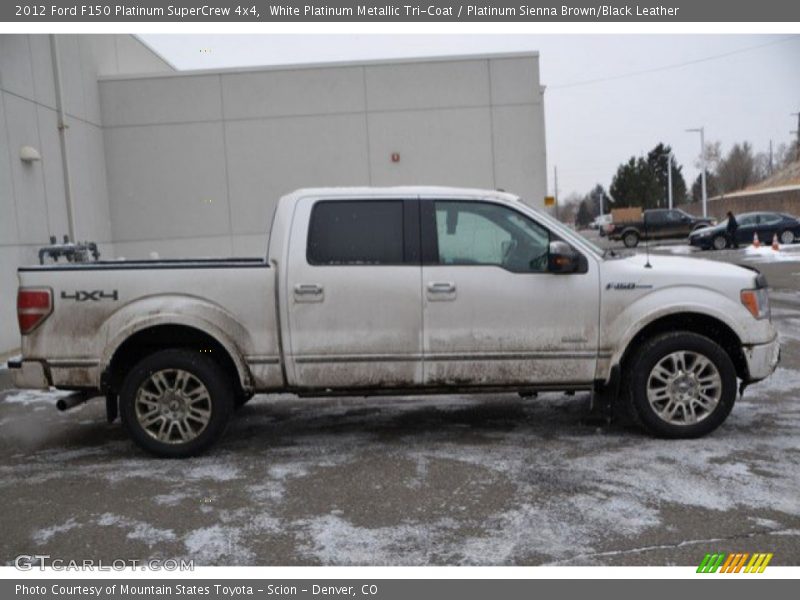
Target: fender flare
{"points": [[197, 314], [639, 325]]}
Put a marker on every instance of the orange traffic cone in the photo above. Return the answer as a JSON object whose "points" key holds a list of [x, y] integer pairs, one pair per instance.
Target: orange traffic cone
{"points": [[775, 245], [756, 242]]}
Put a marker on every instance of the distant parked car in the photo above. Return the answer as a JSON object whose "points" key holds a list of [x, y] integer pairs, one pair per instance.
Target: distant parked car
{"points": [[765, 224], [656, 223]]}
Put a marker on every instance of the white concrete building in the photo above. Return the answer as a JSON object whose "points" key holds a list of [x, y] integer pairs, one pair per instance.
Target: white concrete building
{"points": [[192, 163], [33, 202]]}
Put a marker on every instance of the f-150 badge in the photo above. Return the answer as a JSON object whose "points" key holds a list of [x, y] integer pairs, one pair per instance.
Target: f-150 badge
{"points": [[627, 286]]}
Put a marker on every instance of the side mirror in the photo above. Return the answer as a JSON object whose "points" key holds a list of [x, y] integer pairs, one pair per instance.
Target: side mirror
{"points": [[563, 258]]}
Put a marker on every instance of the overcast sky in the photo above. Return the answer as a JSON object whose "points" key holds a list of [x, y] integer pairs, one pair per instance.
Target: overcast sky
{"points": [[601, 108]]}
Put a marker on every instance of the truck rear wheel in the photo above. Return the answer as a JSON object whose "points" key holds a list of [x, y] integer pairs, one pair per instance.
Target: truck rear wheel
{"points": [[176, 403], [680, 385], [630, 239]]}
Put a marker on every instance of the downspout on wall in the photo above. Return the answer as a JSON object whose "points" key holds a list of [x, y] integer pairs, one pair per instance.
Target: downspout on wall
{"points": [[62, 135]]}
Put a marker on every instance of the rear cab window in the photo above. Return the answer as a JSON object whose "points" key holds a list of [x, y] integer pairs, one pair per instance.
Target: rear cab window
{"points": [[361, 232]]}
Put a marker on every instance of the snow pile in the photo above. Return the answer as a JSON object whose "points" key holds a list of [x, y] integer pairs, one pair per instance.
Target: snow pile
{"points": [[30, 397], [677, 249], [767, 254]]}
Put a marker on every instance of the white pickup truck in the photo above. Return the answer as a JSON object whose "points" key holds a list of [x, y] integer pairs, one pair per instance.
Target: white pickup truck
{"points": [[408, 290]]}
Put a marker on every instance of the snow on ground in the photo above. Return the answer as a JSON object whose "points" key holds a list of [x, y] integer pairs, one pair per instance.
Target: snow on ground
{"points": [[676, 249], [790, 329], [762, 254], [29, 397], [767, 254]]}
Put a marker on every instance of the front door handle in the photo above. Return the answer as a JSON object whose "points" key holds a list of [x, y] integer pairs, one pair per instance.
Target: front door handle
{"points": [[441, 287], [308, 292]]}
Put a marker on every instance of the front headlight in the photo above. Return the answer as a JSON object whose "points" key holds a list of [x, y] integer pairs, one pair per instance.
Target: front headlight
{"points": [[757, 302]]}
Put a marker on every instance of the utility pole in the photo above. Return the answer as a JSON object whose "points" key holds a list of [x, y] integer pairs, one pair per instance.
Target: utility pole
{"points": [[702, 131], [770, 157], [555, 187], [797, 132], [669, 179], [600, 192]]}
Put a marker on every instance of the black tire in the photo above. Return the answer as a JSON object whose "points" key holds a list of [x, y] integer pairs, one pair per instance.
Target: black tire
{"points": [[720, 242], [242, 399], [630, 239], [218, 401], [787, 237], [650, 354]]}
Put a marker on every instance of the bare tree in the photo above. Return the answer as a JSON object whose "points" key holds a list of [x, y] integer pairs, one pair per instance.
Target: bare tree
{"points": [[739, 168], [569, 208]]}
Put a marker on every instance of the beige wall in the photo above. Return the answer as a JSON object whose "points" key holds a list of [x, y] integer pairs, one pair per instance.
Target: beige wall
{"points": [[32, 200], [197, 161], [780, 201]]}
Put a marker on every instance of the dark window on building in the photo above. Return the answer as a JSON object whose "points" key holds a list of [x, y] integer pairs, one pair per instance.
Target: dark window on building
{"points": [[356, 232]]}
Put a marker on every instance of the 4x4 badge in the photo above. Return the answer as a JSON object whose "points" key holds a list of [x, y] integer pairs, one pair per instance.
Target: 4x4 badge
{"points": [[96, 295]]}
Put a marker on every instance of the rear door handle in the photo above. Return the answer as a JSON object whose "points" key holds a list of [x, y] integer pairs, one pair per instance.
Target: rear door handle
{"points": [[308, 292], [441, 290]]}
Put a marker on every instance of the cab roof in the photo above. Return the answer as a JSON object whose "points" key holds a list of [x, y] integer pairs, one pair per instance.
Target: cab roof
{"points": [[411, 191]]}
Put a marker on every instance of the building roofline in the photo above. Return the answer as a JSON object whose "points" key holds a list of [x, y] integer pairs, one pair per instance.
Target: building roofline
{"points": [[155, 52], [316, 65]]}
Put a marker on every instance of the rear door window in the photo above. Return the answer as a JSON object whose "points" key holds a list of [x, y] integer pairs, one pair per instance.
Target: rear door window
{"points": [[770, 219], [746, 220], [356, 232]]}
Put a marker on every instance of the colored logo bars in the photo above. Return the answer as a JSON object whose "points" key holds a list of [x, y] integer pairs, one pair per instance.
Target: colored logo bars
{"points": [[734, 563]]}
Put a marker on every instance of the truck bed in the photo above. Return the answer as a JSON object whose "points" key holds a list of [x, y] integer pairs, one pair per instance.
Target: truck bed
{"points": [[97, 306]]}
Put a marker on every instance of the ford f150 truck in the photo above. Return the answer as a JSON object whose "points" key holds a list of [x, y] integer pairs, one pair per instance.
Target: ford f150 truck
{"points": [[375, 291]]}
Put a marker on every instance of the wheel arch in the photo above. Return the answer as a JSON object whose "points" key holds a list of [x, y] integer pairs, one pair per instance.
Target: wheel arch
{"points": [[629, 229], [694, 322], [145, 339]]}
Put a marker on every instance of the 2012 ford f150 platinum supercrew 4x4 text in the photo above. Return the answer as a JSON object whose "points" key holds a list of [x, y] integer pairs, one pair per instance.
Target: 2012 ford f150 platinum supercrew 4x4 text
{"points": [[396, 291]]}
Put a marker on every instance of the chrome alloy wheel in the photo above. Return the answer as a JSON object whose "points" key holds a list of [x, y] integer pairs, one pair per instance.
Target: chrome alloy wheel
{"points": [[173, 406], [684, 388]]}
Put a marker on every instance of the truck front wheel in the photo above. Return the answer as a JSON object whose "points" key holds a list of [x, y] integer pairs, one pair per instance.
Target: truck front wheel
{"points": [[680, 385], [175, 403]]}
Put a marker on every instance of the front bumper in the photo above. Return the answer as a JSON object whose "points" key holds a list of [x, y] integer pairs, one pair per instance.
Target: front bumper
{"points": [[28, 374], [700, 242], [762, 359]]}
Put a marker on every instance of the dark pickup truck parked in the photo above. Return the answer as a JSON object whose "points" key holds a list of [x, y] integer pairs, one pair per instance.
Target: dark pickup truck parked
{"points": [[656, 223]]}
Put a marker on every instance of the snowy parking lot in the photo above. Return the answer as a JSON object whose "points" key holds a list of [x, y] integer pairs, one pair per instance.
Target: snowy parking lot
{"points": [[490, 479]]}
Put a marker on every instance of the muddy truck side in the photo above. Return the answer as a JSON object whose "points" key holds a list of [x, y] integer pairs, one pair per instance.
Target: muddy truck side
{"points": [[377, 291]]}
